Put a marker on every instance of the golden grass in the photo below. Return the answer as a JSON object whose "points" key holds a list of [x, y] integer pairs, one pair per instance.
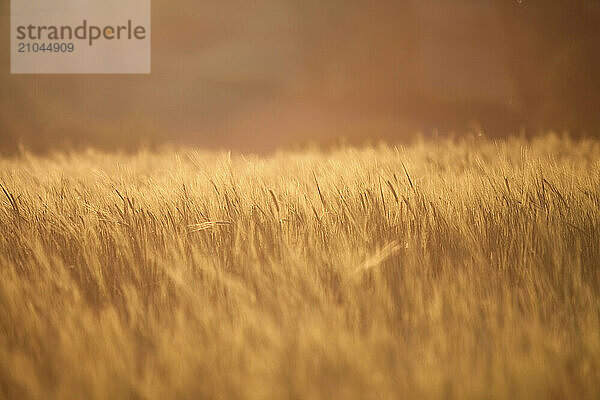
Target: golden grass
{"points": [[441, 270]]}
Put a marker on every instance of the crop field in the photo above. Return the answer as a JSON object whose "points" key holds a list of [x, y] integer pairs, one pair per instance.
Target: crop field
{"points": [[466, 269]]}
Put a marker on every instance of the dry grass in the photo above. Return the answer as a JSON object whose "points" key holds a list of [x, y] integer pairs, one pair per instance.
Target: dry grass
{"points": [[442, 270]]}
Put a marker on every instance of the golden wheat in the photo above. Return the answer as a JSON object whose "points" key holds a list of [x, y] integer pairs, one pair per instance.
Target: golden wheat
{"points": [[441, 270]]}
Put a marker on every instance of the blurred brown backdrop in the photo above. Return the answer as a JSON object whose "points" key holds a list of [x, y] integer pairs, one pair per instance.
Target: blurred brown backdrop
{"points": [[257, 75]]}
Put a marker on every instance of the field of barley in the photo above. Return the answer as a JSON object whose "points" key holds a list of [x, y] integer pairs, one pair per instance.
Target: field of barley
{"points": [[448, 269]]}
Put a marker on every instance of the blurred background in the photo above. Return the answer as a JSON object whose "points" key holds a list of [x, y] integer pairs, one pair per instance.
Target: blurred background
{"points": [[265, 74]]}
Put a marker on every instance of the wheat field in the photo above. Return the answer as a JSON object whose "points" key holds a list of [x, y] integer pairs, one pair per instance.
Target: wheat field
{"points": [[466, 269]]}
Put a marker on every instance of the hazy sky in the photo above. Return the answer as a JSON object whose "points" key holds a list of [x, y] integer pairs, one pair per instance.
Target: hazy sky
{"points": [[261, 74]]}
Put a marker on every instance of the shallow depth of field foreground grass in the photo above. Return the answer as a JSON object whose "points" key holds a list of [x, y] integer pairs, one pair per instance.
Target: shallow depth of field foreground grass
{"points": [[439, 270]]}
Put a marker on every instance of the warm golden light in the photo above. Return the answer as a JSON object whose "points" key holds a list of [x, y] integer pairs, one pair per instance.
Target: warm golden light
{"points": [[299, 199]]}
